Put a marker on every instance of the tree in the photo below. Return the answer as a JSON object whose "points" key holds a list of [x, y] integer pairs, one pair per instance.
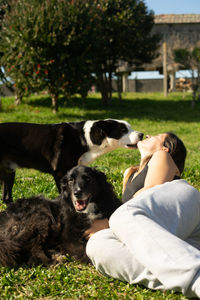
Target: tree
{"points": [[42, 45], [60, 45], [122, 32], [189, 59], [3, 78]]}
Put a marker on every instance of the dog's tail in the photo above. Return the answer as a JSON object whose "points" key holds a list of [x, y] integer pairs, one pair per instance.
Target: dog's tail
{"points": [[9, 252]]}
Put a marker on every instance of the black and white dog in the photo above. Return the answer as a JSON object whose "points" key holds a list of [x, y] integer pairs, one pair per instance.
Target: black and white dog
{"points": [[34, 230], [56, 148]]}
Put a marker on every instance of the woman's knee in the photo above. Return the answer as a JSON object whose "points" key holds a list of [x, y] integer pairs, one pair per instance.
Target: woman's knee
{"points": [[93, 244], [118, 216], [112, 258], [125, 215], [96, 245]]}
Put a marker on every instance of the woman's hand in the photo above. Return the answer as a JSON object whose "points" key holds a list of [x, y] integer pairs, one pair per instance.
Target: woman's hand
{"points": [[97, 225]]}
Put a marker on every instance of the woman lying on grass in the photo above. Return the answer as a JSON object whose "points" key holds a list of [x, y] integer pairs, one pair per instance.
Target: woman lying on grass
{"points": [[154, 237]]}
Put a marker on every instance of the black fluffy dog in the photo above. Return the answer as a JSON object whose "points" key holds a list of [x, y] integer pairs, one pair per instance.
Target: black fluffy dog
{"points": [[33, 230]]}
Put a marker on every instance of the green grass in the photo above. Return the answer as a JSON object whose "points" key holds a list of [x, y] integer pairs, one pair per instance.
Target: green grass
{"points": [[149, 113]]}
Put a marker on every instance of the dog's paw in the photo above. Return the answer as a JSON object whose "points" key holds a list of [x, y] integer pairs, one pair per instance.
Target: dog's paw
{"points": [[58, 258]]}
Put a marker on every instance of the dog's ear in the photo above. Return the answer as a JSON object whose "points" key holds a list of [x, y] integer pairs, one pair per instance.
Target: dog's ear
{"points": [[100, 176], [98, 132], [64, 187]]}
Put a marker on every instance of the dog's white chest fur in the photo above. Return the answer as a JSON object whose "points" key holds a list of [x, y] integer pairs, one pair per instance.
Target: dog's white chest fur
{"points": [[95, 150]]}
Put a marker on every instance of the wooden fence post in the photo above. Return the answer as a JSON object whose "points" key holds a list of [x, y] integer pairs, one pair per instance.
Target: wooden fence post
{"points": [[165, 69]]}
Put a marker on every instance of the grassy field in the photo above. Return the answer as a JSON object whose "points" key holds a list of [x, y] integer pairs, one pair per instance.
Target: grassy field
{"points": [[149, 113]]}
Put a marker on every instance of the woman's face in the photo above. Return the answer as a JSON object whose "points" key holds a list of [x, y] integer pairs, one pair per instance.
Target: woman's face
{"points": [[152, 144]]}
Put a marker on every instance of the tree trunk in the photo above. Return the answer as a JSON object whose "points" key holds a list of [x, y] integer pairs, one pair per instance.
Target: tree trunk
{"points": [[110, 88], [119, 86], [104, 94], [18, 98], [54, 98], [103, 87]]}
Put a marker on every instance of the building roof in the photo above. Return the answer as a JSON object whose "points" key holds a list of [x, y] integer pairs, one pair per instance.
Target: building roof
{"points": [[177, 18]]}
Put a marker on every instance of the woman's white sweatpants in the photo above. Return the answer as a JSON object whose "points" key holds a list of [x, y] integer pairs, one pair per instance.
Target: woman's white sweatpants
{"points": [[154, 240]]}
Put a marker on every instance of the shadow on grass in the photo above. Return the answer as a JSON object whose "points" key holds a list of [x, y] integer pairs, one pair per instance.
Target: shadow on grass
{"points": [[139, 108]]}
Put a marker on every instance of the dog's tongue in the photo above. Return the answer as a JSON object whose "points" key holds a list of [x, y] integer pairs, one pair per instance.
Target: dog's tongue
{"points": [[81, 205]]}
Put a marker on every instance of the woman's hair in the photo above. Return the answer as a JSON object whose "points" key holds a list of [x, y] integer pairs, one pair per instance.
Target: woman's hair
{"points": [[177, 151]]}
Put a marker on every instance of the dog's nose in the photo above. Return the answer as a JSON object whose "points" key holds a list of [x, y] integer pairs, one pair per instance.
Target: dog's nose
{"points": [[141, 135], [78, 193]]}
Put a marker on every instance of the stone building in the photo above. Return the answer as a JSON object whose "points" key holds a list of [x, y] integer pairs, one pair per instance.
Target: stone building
{"points": [[176, 31]]}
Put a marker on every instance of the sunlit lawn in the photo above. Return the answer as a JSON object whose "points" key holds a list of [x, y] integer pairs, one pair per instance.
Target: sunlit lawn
{"points": [[149, 113]]}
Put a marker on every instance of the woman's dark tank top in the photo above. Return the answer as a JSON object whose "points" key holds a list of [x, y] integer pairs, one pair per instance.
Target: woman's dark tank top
{"points": [[135, 184]]}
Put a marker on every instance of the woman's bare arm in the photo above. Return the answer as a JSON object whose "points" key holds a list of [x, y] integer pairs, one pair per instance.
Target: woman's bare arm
{"points": [[97, 225], [161, 168]]}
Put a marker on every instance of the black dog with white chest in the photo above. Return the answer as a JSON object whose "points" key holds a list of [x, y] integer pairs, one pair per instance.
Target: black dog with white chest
{"points": [[34, 230], [56, 148]]}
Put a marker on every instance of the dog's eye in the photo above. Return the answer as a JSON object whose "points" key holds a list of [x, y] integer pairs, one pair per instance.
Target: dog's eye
{"points": [[124, 130]]}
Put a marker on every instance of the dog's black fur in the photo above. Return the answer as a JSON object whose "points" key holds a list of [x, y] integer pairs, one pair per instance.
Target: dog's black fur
{"points": [[32, 230], [56, 148]]}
